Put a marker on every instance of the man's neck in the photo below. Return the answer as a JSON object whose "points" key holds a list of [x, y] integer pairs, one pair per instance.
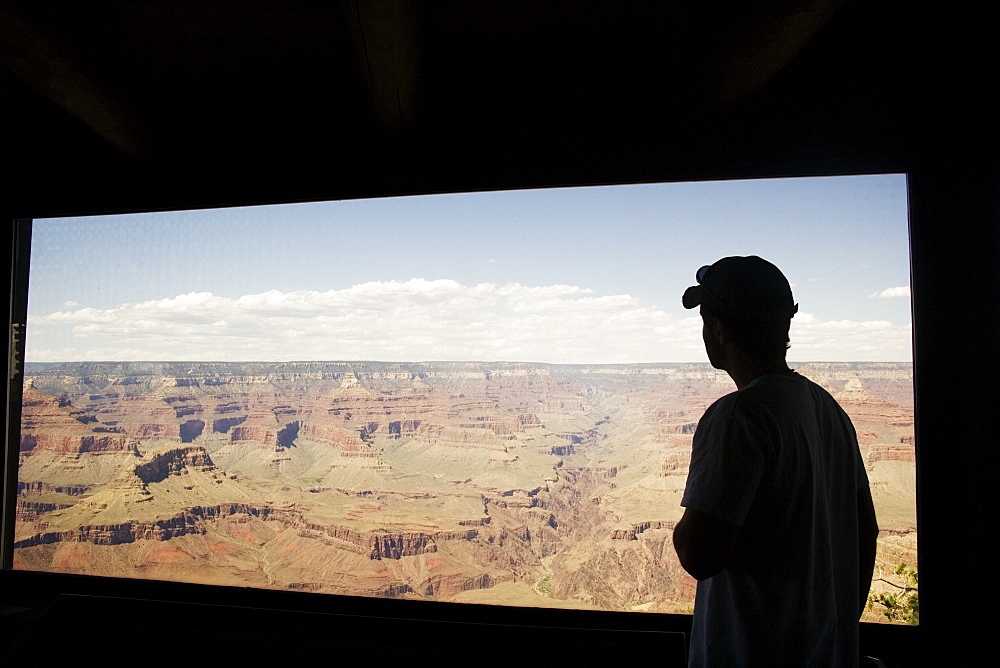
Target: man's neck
{"points": [[744, 369]]}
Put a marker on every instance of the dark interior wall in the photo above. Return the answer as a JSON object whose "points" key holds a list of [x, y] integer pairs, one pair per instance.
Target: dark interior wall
{"points": [[503, 95], [955, 245]]}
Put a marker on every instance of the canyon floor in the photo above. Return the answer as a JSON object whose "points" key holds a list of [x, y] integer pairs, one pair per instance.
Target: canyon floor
{"points": [[501, 483]]}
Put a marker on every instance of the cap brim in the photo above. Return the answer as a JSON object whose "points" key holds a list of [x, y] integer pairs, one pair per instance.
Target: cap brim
{"points": [[692, 297]]}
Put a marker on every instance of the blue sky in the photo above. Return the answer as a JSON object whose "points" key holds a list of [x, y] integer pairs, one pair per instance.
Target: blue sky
{"points": [[558, 275]]}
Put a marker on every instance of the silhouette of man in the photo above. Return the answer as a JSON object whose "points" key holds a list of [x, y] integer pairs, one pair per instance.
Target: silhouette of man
{"points": [[779, 527]]}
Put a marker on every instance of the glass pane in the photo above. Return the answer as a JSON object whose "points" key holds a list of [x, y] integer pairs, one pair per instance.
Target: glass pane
{"points": [[483, 397]]}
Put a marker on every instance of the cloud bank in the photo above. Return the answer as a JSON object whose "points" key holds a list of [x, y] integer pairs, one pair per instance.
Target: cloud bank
{"points": [[418, 320], [892, 293]]}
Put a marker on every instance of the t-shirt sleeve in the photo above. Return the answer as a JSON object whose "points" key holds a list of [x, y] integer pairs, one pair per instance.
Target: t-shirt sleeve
{"points": [[728, 457]]}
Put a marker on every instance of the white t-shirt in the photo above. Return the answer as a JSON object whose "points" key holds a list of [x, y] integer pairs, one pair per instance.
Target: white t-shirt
{"points": [[779, 459]]}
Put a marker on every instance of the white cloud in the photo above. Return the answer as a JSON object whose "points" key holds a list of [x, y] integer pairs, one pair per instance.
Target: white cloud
{"points": [[418, 320], [813, 339], [892, 293]]}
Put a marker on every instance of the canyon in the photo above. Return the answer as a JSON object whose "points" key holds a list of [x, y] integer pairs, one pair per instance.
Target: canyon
{"points": [[503, 483]]}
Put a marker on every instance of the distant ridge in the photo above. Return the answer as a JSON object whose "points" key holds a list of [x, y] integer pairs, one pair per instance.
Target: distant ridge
{"points": [[196, 367]]}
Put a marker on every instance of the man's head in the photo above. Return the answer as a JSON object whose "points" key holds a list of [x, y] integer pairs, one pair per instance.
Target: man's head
{"points": [[751, 299]]}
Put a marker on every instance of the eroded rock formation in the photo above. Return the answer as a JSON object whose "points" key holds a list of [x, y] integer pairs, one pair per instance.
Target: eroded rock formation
{"points": [[423, 480]]}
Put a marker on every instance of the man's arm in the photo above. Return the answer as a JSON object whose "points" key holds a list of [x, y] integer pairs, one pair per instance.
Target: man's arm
{"points": [[867, 535], [704, 543]]}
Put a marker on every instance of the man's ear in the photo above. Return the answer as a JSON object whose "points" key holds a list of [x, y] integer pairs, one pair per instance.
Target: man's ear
{"points": [[717, 329]]}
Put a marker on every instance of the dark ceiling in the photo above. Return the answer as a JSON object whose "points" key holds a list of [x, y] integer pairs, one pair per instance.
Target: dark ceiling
{"points": [[117, 105]]}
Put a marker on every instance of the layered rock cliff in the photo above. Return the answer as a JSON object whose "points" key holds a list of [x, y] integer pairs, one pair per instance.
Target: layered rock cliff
{"points": [[419, 480]]}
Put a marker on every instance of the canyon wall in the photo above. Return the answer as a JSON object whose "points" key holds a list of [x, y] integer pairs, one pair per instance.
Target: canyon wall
{"points": [[507, 483]]}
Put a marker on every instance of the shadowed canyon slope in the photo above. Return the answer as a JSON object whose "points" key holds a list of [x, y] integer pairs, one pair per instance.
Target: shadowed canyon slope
{"points": [[506, 483]]}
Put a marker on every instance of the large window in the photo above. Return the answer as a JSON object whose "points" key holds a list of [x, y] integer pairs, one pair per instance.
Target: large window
{"points": [[483, 397]]}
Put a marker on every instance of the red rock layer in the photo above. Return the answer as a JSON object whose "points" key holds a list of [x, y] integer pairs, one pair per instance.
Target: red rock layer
{"points": [[47, 423], [893, 453], [632, 533], [172, 462]]}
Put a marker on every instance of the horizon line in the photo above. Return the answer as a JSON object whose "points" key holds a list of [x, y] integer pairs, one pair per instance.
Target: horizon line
{"points": [[469, 361]]}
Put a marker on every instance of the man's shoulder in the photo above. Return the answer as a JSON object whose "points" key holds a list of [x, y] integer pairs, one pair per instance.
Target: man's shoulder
{"points": [[723, 406], [784, 395], [784, 385], [770, 400], [759, 392]]}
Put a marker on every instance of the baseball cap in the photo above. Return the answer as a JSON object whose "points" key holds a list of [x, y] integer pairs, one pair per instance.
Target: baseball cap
{"points": [[742, 286]]}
